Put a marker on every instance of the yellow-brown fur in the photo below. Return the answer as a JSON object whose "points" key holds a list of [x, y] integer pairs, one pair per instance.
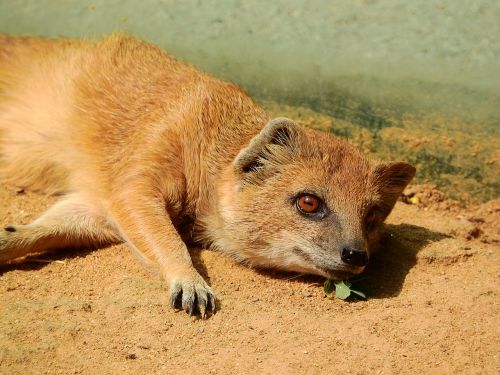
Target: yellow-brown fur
{"points": [[145, 149]]}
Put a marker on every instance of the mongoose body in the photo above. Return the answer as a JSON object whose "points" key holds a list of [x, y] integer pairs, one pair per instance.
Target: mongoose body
{"points": [[146, 150]]}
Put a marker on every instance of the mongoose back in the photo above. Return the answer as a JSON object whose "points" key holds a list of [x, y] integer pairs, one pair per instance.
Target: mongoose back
{"points": [[146, 150]]}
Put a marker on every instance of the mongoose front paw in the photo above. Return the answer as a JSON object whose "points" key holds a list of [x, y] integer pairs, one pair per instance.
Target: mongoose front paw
{"points": [[8, 243], [193, 295], [16, 241], [10, 228], [8, 234]]}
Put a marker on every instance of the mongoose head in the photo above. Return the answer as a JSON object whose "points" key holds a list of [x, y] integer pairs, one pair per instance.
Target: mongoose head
{"points": [[301, 200]]}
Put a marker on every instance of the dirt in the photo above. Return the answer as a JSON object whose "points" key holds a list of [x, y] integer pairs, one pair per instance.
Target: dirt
{"points": [[434, 307]]}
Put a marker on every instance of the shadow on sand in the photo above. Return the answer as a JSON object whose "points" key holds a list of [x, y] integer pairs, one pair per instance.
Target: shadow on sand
{"points": [[385, 275]]}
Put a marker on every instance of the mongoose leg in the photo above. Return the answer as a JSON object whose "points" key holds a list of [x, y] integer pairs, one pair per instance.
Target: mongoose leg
{"points": [[69, 223], [149, 231]]}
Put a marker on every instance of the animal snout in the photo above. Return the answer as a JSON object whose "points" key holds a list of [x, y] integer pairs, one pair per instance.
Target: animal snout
{"points": [[354, 257]]}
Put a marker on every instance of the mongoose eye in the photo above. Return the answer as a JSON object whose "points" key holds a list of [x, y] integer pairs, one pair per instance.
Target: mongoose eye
{"points": [[308, 204]]}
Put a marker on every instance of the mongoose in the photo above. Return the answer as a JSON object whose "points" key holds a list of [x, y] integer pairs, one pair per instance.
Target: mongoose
{"points": [[146, 150]]}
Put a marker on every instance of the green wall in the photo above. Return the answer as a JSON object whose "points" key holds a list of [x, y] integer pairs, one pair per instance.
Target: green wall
{"points": [[283, 43]]}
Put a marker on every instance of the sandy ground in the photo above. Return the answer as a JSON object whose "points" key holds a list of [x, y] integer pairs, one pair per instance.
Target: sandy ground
{"points": [[434, 308]]}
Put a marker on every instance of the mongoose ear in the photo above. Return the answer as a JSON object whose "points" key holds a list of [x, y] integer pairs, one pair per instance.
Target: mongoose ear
{"points": [[275, 140], [391, 179]]}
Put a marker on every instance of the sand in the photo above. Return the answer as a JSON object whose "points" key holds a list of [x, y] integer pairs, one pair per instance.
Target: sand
{"points": [[434, 308]]}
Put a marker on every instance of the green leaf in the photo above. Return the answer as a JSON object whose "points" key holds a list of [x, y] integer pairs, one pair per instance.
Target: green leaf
{"points": [[359, 293], [342, 291], [363, 289], [345, 289], [328, 287]]}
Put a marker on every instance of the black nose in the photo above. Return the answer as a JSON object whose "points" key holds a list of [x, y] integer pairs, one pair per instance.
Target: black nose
{"points": [[354, 257]]}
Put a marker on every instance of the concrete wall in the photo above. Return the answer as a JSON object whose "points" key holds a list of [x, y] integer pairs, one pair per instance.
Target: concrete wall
{"points": [[412, 52]]}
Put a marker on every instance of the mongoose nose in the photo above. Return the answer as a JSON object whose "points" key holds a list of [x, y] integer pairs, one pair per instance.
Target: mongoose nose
{"points": [[354, 257]]}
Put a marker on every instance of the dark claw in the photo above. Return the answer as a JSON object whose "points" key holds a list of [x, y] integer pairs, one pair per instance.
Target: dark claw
{"points": [[195, 304], [176, 300], [10, 228], [212, 303], [193, 310], [202, 303], [188, 303]]}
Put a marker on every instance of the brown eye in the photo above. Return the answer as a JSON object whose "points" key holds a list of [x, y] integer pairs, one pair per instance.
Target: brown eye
{"points": [[308, 204]]}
